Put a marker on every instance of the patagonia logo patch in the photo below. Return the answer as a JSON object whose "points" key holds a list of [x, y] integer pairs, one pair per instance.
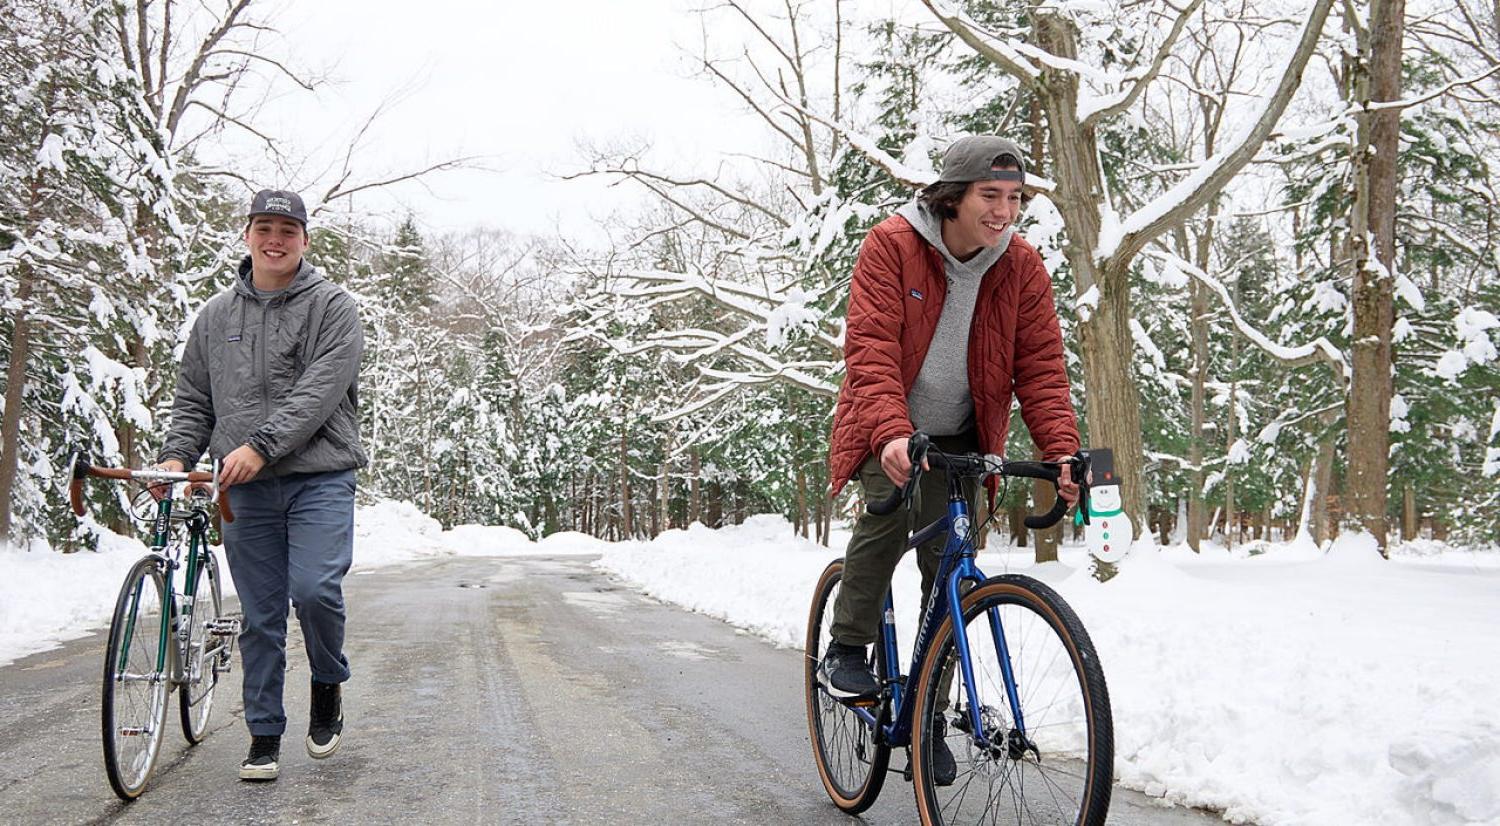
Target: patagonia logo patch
{"points": [[232, 339], [917, 294]]}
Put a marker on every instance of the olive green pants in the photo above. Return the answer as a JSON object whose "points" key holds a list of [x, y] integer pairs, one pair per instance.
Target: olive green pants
{"points": [[879, 542]]}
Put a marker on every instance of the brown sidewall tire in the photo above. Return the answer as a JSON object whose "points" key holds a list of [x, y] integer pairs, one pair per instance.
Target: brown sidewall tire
{"points": [[864, 797], [1014, 589]]}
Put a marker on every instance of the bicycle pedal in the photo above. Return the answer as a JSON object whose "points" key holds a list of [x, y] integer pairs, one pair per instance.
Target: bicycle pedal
{"points": [[224, 627], [862, 702]]}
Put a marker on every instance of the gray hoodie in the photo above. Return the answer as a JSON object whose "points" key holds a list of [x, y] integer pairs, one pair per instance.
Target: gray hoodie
{"points": [[939, 401], [275, 371]]}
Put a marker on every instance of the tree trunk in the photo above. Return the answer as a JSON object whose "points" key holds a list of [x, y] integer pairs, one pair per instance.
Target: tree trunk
{"points": [[981, 517], [1408, 513], [627, 527], [803, 517], [1195, 443], [15, 389], [1105, 341], [1199, 296], [1373, 223], [695, 488], [1017, 516], [1042, 496], [713, 510]]}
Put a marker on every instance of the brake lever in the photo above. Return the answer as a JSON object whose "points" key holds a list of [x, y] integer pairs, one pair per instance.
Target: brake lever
{"points": [[1081, 465]]}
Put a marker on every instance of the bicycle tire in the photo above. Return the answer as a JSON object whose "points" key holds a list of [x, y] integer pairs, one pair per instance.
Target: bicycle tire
{"points": [[851, 762], [134, 698], [195, 699], [1065, 760]]}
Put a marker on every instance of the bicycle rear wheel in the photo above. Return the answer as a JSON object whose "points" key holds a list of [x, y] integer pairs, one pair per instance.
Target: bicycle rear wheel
{"points": [[136, 673], [851, 762], [1053, 766], [204, 653]]}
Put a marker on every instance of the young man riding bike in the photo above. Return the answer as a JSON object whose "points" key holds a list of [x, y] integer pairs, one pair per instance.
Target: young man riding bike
{"points": [[950, 315]]}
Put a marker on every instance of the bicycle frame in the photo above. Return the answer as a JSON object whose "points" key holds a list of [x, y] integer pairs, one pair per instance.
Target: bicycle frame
{"points": [[956, 567], [170, 661]]}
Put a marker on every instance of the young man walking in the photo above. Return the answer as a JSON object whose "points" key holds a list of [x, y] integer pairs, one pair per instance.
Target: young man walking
{"points": [[950, 315], [267, 387]]}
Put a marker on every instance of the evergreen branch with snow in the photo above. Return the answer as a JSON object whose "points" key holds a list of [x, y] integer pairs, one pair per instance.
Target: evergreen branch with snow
{"points": [[1318, 350]]}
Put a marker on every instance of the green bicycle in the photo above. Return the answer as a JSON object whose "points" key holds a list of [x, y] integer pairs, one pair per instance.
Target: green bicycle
{"points": [[161, 639]]}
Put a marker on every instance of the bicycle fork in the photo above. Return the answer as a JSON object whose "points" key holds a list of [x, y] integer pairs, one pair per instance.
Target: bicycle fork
{"points": [[1015, 742]]}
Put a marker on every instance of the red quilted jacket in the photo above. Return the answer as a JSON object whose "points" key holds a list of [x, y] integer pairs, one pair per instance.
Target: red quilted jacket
{"points": [[1015, 347]]}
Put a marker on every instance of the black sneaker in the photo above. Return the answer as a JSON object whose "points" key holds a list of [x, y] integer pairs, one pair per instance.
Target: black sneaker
{"points": [[327, 724], [265, 750], [845, 673], [944, 768]]}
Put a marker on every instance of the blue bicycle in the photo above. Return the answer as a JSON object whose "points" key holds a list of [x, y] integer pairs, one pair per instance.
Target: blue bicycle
{"points": [[1014, 688]]}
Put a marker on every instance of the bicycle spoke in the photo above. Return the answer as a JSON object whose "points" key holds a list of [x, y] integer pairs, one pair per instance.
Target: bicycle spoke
{"points": [[1039, 776]]}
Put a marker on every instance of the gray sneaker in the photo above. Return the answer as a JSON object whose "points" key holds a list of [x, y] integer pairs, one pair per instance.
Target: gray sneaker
{"points": [[845, 674]]}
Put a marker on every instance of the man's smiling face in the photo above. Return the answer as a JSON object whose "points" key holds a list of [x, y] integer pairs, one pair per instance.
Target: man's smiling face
{"points": [[276, 245], [987, 208]]}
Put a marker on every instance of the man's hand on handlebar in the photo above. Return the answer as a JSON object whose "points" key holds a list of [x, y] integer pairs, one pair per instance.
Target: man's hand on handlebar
{"points": [[895, 461], [159, 490], [1067, 488]]}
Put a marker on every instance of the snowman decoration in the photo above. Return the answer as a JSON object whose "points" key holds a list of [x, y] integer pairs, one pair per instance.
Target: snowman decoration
{"points": [[1107, 529]]}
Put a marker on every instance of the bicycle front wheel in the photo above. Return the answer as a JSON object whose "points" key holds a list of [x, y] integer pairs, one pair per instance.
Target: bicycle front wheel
{"points": [[204, 653], [1051, 760], [136, 673], [851, 762]]}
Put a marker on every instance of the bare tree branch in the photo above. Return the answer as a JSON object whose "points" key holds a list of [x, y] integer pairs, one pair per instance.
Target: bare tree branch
{"points": [[278, 65], [339, 191], [1188, 196], [1139, 87], [190, 78], [994, 50]]}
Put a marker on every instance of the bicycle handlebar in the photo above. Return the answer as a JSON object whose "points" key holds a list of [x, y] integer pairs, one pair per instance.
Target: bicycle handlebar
{"points": [[80, 469], [973, 464]]}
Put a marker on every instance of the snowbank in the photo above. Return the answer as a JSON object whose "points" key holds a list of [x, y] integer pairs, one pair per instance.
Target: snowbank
{"points": [[47, 598], [1291, 686], [389, 532]]}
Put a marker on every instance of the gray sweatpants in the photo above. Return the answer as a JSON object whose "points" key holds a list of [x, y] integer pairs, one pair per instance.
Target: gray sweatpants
{"points": [[292, 538]]}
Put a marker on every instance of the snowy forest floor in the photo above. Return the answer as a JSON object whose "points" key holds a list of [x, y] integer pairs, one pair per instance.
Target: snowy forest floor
{"points": [[1289, 687]]}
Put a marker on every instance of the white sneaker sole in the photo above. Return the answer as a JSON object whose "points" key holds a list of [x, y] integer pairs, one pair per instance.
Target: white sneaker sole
{"points": [[270, 772], [839, 694], [318, 752]]}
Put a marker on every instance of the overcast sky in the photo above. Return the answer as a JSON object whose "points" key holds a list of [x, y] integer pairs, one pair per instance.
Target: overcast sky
{"points": [[519, 83]]}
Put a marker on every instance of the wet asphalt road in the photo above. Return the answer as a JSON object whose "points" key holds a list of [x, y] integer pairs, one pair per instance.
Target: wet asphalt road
{"points": [[520, 690]]}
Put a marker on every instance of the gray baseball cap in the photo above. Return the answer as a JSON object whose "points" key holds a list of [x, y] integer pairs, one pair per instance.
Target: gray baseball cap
{"points": [[279, 202], [973, 159]]}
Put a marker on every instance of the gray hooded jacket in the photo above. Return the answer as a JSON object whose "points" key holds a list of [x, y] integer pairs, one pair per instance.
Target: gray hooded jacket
{"points": [[939, 402], [277, 372]]}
